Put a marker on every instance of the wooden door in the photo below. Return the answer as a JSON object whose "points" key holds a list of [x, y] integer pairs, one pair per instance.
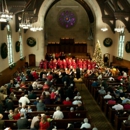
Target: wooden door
{"points": [[32, 61]]}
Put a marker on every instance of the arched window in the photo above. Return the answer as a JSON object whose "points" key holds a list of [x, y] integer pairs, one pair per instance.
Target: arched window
{"points": [[9, 43], [121, 44], [21, 43]]}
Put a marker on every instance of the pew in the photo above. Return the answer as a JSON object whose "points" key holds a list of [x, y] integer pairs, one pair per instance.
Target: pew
{"points": [[125, 127], [30, 115], [119, 121], [60, 124]]}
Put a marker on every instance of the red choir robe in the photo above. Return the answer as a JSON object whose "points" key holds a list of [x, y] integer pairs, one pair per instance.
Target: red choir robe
{"points": [[64, 64], [50, 65], [41, 64], [54, 64], [45, 64]]}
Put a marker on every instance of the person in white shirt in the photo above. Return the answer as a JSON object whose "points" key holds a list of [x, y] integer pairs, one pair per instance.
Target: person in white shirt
{"points": [[118, 107], [78, 96], [124, 74], [85, 124], [24, 100], [76, 102], [35, 118], [108, 96], [58, 114]]}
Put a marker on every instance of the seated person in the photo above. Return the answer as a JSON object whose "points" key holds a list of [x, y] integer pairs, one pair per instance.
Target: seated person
{"points": [[107, 96], [78, 96], [75, 102], [102, 91], [70, 127], [71, 113], [10, 115], [79, 106], [67, 101], [40, 106], [58, 114], [85, 124], [118, 107]]}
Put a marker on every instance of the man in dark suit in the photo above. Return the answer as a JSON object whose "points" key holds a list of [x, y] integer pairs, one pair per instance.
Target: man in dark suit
{"points": [[22, 123]]}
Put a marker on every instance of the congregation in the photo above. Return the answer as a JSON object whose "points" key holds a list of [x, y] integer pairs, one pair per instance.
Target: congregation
{"points": [[39, 89]]}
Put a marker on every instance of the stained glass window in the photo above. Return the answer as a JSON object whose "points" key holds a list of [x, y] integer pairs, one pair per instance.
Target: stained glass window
{"points": [[9, 43], [121, 45], [67, 18], [21, 44]]}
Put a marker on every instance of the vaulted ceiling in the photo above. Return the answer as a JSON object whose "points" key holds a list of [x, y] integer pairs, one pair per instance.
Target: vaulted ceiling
{"points": [[111, 10]]}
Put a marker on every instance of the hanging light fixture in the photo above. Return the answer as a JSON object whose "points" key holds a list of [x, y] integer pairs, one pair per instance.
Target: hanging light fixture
{"points": [[104, 29], [35, 28], [25, 22], [5, 15], [119, 28]]}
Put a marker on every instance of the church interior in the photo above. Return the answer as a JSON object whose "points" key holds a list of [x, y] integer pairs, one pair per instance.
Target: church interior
{"points": [[42, 37]]}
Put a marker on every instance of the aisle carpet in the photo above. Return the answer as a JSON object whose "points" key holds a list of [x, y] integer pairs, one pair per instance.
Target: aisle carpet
{"points": [[98, 118]]}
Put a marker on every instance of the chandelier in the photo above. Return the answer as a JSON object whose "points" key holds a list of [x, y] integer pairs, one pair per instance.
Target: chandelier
{"points": [[25, 22], [5, 15], [119, 29], [36, 28], [104, 29]]}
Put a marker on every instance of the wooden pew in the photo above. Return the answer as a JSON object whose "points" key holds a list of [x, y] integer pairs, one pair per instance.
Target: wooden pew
{"points": [[30, 115], [60, 124], [52, 107], [119, 121], [125, 127]]}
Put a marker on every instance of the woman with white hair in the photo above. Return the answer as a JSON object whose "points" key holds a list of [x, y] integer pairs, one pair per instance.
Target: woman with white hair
{"points": [[2, 123], [58, 114], [85, 124]]}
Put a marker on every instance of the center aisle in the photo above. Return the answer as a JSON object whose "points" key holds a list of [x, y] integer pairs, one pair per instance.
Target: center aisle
{"points": [[98, 118]]}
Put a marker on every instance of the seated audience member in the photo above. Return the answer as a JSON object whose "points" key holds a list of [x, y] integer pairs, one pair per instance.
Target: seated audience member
{"points": [[9, 105], [10, 115], [34, 120], [8, 128], [58, 114], [32, 95], [16, 114], [127, 105], [118, 107], [40, 106], [24, 100], [24, 111], [107, 96], [22, 123], [44, 124], [36, 101], [70, 127], [58, 101], [52, 95], [127, 122], [71, 113], [78, 96], [111, 101], [2, 123], [29, 109], [85, 124], [75, 102], [47, 100], [102, 91], [79, 106], [67, 101], [94, 84], [36, 126], [125, 100]]}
